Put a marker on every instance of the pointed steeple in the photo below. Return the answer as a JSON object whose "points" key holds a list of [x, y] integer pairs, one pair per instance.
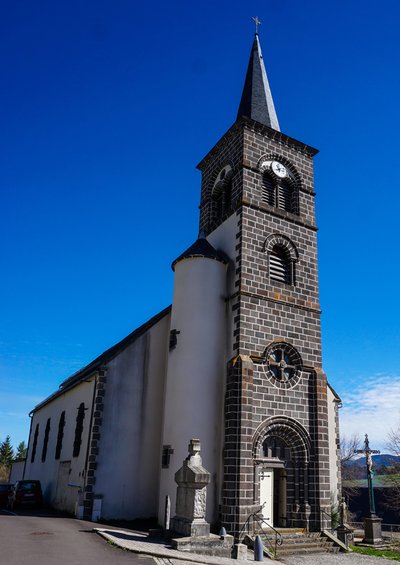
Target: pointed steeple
{"points": [[256, 102]]}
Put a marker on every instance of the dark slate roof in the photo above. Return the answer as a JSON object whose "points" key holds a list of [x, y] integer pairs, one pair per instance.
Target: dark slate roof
{"points": [[335, 394], [102, 359], [256, 102], [201, 248]]}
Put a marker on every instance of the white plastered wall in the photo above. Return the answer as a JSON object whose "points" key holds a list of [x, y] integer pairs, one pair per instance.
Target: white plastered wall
{"points": [[48, 471], [128, 467], [195, 376], [224, 239], [333, 447]]}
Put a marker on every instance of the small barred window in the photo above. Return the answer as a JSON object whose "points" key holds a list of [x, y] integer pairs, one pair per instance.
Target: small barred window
{"points": [[167, 451]]}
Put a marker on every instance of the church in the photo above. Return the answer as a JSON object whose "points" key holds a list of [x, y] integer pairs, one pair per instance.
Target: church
{"points": [[234, 362]]}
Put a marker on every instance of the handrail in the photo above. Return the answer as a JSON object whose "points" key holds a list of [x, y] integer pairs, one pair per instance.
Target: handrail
{"points": [[258, 519], [318, 518], [329, 516]]}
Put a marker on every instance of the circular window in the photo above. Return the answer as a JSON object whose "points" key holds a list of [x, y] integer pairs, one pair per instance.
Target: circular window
{"points": [[283, 362]]}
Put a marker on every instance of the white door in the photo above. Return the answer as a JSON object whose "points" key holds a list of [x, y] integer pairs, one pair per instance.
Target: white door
{"points": [[267, 495], [63, 500]]}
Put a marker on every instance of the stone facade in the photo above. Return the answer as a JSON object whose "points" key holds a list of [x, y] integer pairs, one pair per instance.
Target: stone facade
{"points": [[266, 311]]}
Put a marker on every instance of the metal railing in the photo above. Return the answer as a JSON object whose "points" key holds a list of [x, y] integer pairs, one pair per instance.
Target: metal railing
{"points": [[255, 524], [327, 517], [320, 519]]}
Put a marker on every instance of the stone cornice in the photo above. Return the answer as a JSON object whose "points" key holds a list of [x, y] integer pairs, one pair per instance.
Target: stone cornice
{"points": [[243, 123], [313, 307]]}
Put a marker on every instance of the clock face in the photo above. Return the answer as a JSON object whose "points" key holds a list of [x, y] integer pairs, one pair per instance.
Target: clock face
{"points": [[279, 169]]}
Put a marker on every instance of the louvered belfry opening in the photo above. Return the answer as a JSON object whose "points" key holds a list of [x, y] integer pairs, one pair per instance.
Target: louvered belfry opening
{"points": [[280, 265], [285, 195], [277, 193], [221, 203], [268, 190]]}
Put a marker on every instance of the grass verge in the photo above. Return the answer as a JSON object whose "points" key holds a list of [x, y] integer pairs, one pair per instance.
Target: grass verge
{"points": [[387, 553]]}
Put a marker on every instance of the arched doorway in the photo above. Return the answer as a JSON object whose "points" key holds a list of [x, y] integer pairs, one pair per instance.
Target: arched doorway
{"points": [[281, 463]]}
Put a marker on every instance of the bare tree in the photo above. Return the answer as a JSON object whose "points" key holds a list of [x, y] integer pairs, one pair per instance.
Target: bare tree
{"points": [[348, 447], [393, 445], [393, 441]]}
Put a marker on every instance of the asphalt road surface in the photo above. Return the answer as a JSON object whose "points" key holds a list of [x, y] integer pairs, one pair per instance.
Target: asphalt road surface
{"points": [[43, 538]]}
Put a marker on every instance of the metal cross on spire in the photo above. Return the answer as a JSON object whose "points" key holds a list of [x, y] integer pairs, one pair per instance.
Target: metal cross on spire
{"points": [[257, 22], [367, 451]]}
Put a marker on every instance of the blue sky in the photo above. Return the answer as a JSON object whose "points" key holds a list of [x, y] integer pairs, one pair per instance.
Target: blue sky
{"points": [[107, 107]]}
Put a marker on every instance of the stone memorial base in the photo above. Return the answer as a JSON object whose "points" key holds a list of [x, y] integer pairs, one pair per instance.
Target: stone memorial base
{"points": [[205, 545], [186, 527], [373, 530], [344, 534]]}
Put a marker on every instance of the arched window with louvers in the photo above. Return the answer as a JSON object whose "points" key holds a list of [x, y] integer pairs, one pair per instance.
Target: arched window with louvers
{"points": [[282, 257], [280, 184], [280, 265], [221, 197]]}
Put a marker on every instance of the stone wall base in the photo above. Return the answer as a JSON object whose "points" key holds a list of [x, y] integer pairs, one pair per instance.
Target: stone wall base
{"points": [[205, 545]]}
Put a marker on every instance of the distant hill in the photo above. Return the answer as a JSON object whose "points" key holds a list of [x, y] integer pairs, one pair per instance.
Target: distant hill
{"points": [[384, 459], [383, 466]]}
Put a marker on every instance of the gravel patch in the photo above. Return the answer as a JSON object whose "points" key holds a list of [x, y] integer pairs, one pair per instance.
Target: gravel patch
{"points": [[336, 559]]}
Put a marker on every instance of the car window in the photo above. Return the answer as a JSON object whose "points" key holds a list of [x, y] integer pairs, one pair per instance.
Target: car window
{"points": [[5, 488], [28, 486]]}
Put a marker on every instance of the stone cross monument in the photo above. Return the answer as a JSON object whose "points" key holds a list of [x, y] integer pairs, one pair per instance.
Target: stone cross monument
{"points": [[192, 480], [372, 522]]}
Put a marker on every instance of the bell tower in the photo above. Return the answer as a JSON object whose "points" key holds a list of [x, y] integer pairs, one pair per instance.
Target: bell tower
{"points": [[257, 207]]}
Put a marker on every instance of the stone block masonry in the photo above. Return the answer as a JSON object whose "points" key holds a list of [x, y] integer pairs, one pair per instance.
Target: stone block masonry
{"points": [[265, 311]]}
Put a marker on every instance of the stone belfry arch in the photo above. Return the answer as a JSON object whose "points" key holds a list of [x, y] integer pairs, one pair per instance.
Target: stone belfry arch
{"points": [[273, 358]]}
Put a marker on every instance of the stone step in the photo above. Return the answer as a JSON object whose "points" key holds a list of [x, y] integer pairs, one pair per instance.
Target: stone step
{"points": [[307, 543], [301, 551], [291, 535], [295, 540], [297, 543]]}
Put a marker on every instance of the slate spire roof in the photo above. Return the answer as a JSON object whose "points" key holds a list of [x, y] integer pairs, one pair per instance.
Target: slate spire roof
{"points": [[256, 102]]}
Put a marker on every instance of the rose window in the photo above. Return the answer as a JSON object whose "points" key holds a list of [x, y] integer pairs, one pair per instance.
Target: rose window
{"points": [[283, 361]]}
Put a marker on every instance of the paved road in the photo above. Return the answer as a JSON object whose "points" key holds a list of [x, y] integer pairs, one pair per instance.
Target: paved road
{"points": [[40, 538]]}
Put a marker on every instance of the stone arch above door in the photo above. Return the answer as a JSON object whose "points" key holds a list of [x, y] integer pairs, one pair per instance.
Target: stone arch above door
{"points": [[281, 454], [290, 432]]}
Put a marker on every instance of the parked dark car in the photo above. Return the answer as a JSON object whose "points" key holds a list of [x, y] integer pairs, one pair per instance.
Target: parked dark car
{"points": [[25, 493], [5, 490]]}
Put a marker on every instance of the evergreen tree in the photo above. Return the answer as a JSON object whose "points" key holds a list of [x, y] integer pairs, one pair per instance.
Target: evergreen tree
{"points": [[6, 452], [21, 451]]}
